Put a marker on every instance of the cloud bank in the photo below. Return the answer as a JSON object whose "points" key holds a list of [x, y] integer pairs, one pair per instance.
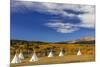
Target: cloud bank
{"points": [[86, 14]]}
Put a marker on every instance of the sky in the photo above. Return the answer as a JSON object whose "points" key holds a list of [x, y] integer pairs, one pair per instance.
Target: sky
{"points": [[51, 22]]}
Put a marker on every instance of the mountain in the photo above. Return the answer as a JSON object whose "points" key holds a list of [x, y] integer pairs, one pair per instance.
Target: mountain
{"points": [[85, 40]]}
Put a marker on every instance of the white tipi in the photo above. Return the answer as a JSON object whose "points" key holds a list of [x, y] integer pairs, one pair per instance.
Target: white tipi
{"points": [[61, 53], [34, 57], [16, 59], [21, 56], [79, 53], [50, 54]]}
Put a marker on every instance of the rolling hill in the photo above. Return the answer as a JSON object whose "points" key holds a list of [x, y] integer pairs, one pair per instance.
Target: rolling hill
{"points": [[86, 40]]}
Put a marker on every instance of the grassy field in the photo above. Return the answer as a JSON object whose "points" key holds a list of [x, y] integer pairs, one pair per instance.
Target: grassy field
{"points": [[42, 50], [57, 60]]}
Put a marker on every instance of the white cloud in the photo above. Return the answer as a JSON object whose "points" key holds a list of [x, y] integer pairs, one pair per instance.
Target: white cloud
{"points": [[51, 8], [88, 19], [63, 27]]}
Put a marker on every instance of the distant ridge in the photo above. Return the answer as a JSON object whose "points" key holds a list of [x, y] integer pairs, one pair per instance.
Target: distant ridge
{"points": [[24, 41], [85, 40]]}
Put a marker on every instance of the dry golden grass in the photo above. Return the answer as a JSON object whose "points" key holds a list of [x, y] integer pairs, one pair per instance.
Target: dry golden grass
{"points": [[88, 52], [57, 60]]}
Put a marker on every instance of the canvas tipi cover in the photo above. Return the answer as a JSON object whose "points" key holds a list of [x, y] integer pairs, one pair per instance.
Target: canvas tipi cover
{"points": [[79, 53], [34, 57], [16, 59], [61, 53], [21, 56], [50, 54]]}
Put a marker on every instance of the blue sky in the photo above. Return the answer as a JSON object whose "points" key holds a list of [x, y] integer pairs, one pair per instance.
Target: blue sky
{"points": [[51, 22]]}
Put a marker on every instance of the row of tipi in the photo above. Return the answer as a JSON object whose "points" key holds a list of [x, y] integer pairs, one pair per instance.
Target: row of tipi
{"points": [[20, 57]]}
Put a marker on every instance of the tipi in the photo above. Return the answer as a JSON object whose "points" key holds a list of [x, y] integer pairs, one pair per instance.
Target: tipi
{"points": [[79, 53], [50, 54], [21, 56], [34, 57], [61, 53], [16, 59]]}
